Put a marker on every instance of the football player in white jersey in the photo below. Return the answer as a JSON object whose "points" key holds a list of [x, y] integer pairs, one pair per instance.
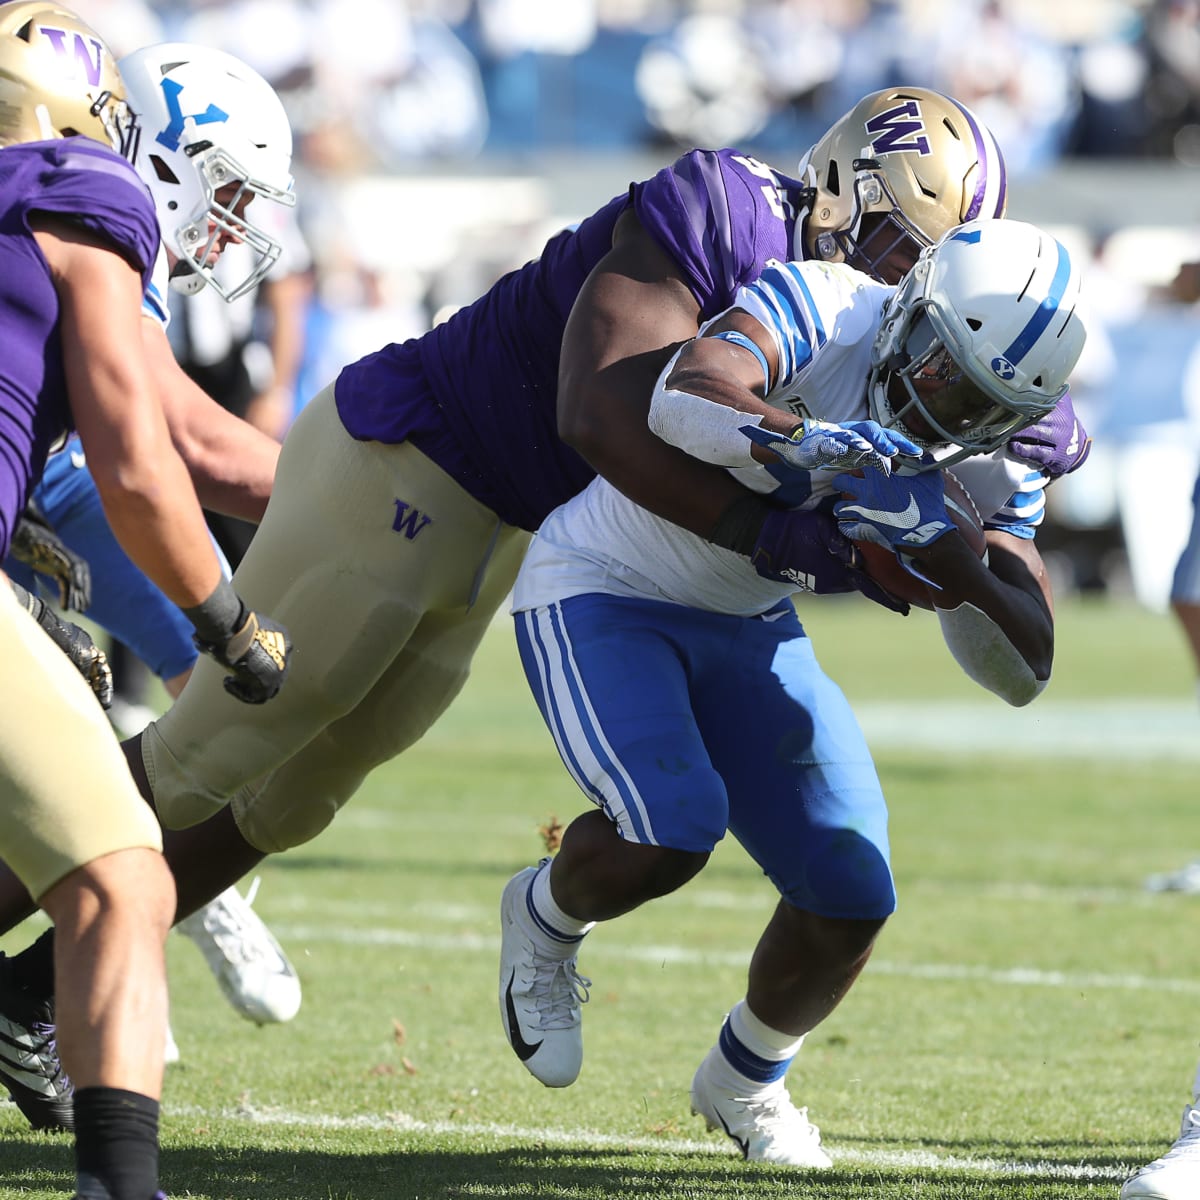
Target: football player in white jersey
{"points": [[681, 690]]}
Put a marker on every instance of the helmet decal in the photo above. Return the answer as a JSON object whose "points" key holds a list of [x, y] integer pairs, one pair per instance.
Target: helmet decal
{"points": [[1045, 311], [982, 141], [170, 136], [87, 53], [887, 129]]}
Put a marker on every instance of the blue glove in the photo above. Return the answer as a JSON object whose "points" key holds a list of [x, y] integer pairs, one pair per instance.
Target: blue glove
{"points": [[824, 446], [805, 549], [1057, 444], [902, 512]]}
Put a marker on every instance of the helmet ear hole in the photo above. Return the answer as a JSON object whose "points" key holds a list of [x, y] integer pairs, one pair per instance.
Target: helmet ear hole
{"points": [[975, 324], [162, 170]]}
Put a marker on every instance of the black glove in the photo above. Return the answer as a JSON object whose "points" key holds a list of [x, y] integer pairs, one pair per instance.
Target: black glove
{"points": [[36, 544], [76, 643], [255, 649]]}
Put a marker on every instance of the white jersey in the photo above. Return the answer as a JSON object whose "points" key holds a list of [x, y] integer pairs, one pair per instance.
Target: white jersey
{"points": [[154, 301], [822, 318]]}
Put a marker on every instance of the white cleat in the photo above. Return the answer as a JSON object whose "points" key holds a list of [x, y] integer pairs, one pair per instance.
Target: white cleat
{"points": [[1175, 1176], [171, 1049], [765, 1126], [540, 994], [250, 965]]}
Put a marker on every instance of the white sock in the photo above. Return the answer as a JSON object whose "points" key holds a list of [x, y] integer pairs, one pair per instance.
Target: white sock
{"points": [[1196, 1087], [564, 931], [753, 1054]]}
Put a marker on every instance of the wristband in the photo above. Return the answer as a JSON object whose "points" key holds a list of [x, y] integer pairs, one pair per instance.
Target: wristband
{"points": [[738, 527], [217, 617], [35, 606]]}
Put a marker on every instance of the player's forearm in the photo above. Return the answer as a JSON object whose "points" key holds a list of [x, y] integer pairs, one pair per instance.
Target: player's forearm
{"points": [[232, 464], [1011, 608], [152, 510]]}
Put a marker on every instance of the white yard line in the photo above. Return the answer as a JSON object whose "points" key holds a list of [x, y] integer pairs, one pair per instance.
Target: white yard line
{"points": [[295, 935], [268, 1116], [1131, 730]]}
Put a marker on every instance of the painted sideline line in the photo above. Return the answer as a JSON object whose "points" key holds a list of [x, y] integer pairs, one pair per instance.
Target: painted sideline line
{"points": [[401, 1122], [682, 955]]}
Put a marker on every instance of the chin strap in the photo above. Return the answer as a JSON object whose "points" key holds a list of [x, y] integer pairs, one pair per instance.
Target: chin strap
{"points": [[987, 656]]}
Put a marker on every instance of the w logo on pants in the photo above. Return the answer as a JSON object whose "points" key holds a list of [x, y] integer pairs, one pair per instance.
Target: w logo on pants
{"points": [[409, 521]]}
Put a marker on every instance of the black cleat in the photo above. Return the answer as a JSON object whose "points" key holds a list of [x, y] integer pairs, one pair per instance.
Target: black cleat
{"points": [[29, 1063]]}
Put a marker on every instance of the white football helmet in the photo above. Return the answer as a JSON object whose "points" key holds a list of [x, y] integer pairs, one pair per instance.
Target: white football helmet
{"points": [[58, 79], [902, 167], [208, 121], [979, 338]]}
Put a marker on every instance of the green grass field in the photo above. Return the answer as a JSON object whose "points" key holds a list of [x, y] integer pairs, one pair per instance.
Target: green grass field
{"points": [[1027, 1028]]}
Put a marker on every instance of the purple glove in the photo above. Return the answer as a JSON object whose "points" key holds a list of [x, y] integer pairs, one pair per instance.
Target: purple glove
{"points": [[1057, 444], [806, 550]]}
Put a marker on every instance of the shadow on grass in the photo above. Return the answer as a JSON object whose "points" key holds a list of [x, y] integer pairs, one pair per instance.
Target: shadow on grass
{"points": [[31, 1165]]}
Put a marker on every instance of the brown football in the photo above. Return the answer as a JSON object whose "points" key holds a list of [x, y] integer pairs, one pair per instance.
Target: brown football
{"points": [[881, 564]]}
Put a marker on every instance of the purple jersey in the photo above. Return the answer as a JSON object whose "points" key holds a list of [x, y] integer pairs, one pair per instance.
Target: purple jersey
{"points": [[478, 394], [95, 188]]}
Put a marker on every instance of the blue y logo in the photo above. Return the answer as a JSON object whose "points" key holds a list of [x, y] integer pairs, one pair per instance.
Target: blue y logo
{"points": [[170, 136]]}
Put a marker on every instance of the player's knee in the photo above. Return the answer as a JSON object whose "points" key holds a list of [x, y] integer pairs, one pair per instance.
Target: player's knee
{"points": [[845, 875], [690, 808], [273, 824]]}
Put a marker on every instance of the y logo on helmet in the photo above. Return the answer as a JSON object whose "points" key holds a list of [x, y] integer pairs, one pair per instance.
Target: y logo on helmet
{"points": [[170, 136], [1002, 367], [897, 130], [87, 53]]}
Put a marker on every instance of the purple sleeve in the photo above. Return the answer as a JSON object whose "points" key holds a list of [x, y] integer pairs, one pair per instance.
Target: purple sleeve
{"points": [[99, 190], [722, 216]]}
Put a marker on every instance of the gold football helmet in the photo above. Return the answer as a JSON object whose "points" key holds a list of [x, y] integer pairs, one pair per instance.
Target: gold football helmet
{"points": [[58, 78], [902, 167]]}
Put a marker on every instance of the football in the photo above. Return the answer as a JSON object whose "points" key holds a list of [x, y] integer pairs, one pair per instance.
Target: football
{"points": [[881, 564]]}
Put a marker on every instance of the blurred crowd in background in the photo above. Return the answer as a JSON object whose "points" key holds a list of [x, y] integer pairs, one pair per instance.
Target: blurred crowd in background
{"points": [[426, 131], [375, 83]]}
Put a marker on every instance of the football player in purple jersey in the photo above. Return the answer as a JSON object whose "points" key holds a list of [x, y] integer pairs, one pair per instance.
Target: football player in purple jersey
{"points": [[79, 239], [406, 492], [249, 143]]}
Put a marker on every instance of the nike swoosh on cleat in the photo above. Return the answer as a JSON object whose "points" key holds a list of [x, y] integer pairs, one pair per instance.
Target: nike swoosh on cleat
{"points": [[905, 518], [524, 1050], [742, 1143]]}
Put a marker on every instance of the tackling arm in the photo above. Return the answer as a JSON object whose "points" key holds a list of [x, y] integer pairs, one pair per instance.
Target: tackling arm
{"points": [[231, 463], [632, 313]]}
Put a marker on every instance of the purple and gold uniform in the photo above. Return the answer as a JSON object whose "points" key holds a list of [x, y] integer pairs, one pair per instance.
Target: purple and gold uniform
{"points": [[60, 811], [485, 407], [401, 507]]}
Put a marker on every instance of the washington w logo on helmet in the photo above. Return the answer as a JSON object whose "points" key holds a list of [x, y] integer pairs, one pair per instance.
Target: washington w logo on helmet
{"points": [[85, 52], [170, 136], [888, 129]]}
